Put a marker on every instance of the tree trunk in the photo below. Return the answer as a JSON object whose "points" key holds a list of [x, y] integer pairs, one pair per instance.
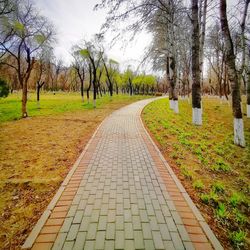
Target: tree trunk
{"points": [[248, 84], [174, 91], [239, 138], [202, 41], [196, 87], [90, 82], [24, 99], [130, 86]]}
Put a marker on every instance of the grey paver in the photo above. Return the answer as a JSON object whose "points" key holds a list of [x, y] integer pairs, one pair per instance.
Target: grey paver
{"points": [[128, 227], [149, 245], [72, 232], [158, 242], [91, 233], [138, 237], [110, 232], [177, 241], [58, 245], [119, 240], [84, 224], [109, 244], [146, 229], [80, 241], [100, 240], [68, 245], [102, 223], [129, 245]]}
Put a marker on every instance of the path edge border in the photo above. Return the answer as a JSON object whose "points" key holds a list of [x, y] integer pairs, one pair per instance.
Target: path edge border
{"points": [[30, 240], [207, 230]]}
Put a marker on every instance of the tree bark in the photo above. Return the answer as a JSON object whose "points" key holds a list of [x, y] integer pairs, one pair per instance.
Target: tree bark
{"points": [[90, 81], [196, 87], [130, 86], [38, 88], [232, 76], [248, 84], [202, 40], [24, 99]]}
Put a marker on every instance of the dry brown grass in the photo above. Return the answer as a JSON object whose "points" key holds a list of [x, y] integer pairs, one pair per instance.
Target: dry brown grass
{"points": [[35, 156]]}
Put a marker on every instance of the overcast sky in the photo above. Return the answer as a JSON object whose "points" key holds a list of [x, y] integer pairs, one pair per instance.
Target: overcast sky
{"points": [[75, 20]]}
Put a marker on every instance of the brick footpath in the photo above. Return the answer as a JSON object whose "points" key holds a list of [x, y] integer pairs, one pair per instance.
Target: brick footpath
{"points": [[121, 194]]}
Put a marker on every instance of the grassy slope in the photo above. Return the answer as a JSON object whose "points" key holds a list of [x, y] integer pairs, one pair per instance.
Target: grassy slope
{"points": [[36, 153], [214, 171]]}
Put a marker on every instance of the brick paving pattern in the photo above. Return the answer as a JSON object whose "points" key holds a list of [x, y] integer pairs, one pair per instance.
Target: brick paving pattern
{"points": [[122, 196]]}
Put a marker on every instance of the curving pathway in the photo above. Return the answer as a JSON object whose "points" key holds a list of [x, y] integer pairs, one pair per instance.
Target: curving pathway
{"points": [[121, 194]]}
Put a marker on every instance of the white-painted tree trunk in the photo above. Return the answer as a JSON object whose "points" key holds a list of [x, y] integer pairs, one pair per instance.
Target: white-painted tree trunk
{"points": [[197, 116], [94, 103], [176, 106], [239, 138], [171, 105], [248, 111]]}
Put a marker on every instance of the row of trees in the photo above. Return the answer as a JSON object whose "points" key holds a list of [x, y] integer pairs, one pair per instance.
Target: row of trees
{"points": [[27, 60], [183, 41]]}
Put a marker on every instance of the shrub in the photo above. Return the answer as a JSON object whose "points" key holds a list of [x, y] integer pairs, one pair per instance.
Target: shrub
{"points": [[218, 187], [221, 211], [235, 199], [198, 184], [238, 238]]}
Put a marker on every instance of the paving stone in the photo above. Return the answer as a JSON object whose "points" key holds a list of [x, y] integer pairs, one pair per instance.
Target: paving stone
{"points": [[146, 230], [80, 241], [143, 216], [72, 232], [100, 240], [136, 223], [149, 245], [164, 232], [169, 245], [58, 245], [129, 245], [128, 227], [183, 233], [68, 245], [109, 244], [95, 216], [84, 224], [119, 240], [138, 238], [171, 225], [102, 223], [78, 217], [91, 233], [66, 225], [158, 243], [127, 215], [89, 245], [119, 223], [72, 211], [110, 233], [177, 241]]}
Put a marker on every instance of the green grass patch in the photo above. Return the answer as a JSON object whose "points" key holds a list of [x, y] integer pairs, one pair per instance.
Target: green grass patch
{"points": [[50, 104], [207, 155]]}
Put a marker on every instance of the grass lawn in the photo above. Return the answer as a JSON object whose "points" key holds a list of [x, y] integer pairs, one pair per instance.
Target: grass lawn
{"points": [[36, 153], [215, 172]]}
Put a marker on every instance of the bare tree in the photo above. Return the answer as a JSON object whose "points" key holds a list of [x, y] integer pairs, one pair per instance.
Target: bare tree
{"points": [[22, 35], [239, 138], [79, 65]]}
